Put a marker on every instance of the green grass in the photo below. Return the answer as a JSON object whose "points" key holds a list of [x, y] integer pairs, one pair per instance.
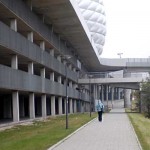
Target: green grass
{"points": [[142, 128], [41, 134]]}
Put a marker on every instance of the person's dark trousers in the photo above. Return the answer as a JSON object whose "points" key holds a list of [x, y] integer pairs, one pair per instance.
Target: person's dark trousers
{"points": [[100, 115]]}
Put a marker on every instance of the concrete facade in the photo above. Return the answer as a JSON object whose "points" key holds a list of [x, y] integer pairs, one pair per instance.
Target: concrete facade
{"points": [[34, 66], [37, 78]]}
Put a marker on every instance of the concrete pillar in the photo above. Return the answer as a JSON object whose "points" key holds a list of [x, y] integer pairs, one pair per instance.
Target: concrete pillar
{"points": [[94, 91], [127, 100], [43, 72], [59, 79], [74, 69], [98, 91], [112, 97], [59, 58], [52, 76], [15, 101], [30, 36], [65, 105], [44, 106], [75, 106], [102, 92], [14, 62], [96, 95], [70, 84], [71, 109], [53, 112], [32, 106], [127, 92], [52, 52], [13, 24], [42, 45], [70, 66], [30, 68], [119, 93], [107, 95], [60, 105], [82, 106]]}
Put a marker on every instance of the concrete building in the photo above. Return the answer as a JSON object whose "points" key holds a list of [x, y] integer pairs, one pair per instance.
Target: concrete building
{"points": [[45, 46]]}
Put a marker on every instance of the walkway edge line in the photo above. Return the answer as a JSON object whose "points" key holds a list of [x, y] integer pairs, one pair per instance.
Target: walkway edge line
{"points": [[139, 144], [58, 143]]}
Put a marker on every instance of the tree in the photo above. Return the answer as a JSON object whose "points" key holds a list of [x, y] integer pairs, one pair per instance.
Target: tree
{"points": [[145, 91]]}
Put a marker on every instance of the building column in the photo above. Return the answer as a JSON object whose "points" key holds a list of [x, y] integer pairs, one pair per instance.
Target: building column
{"points": [[65, 105], [75, 105], [59, 79], [102, 93], [119, 93], [70, 84], [107, 96], [52, 52], [112, 96], [13, 24], [44, 106], [127, 100], [32, 106], [60, 105], [71, 109], [53, 112], [30, 36], [74, 69], [14, 62], [96, 95], [59, 58], [15, 100], [42, 45], [70, 66], [127, 92], [30, 68], [43, 72], [52, 76]]}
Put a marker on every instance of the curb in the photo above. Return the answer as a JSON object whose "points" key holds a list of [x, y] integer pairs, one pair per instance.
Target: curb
{"points": [[58, 143]]}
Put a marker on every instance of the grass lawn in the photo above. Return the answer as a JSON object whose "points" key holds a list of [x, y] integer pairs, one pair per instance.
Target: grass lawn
{"points": [[142, 128], [41, 134]]}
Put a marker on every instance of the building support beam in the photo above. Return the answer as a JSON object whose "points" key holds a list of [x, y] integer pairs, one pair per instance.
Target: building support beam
{"points": [[32, 106], [15, 98], [53, 112]]}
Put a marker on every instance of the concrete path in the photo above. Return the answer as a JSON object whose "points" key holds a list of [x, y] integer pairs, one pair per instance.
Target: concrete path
{"points": [[114, 133]]}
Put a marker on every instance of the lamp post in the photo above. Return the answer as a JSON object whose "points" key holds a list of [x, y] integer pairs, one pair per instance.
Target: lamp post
{"points": [[90, 76], [66, 97], [119, 54], [66, 57]]}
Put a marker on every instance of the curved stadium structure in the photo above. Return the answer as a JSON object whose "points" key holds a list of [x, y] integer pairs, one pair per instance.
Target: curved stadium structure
{"points": [[94, 15]]}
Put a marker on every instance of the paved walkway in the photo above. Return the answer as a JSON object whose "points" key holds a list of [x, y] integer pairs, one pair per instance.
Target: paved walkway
{"points": [[114, 133]]}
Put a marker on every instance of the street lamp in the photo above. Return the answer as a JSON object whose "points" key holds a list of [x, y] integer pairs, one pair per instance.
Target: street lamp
{"points": [[90, 76], [66, 57], [119, 54]]}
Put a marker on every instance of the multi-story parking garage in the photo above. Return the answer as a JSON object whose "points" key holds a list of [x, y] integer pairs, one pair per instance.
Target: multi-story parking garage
{"points": [[45, 46]]}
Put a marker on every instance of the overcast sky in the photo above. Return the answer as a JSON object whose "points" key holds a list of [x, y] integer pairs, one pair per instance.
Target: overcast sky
{"points": [[128, 28]]}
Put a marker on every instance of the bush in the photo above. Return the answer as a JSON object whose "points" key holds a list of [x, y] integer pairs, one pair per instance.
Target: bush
{"points": [[145, 96]]}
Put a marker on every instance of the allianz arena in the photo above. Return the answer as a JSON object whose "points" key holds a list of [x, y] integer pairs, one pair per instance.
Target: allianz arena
{"points": [[94, 15]]}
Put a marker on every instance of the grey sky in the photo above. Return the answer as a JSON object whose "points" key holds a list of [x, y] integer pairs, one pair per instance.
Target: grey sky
{"points": [[128, 28]]}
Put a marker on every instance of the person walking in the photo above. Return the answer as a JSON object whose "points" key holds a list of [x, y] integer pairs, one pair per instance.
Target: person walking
{"points": [[100, 109]]}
